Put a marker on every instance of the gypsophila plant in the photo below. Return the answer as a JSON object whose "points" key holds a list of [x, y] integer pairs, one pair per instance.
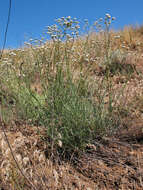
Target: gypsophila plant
{"points": [[65, 29], [103, 25], [53, 86]]}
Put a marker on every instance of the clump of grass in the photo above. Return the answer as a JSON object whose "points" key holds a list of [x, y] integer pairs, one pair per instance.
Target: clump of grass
{"points": [[66, 105], [72, 114], [67, 111]]}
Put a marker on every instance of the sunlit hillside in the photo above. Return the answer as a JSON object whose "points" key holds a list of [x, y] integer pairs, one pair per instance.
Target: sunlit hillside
{"points": [[71, 109]]}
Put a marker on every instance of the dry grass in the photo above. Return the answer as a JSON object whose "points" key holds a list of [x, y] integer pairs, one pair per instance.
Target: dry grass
{"points": [[112, 159]]}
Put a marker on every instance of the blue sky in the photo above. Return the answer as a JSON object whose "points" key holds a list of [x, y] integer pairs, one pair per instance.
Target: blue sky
{"points": [[29, 17]]}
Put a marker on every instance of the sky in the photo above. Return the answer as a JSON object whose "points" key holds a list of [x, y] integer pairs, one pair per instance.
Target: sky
{"points": [[30, 17]]}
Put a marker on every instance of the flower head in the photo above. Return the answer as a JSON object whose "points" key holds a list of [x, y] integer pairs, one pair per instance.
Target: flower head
{"points": [[108, 16]]}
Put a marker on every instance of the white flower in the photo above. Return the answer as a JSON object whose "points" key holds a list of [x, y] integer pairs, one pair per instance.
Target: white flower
{"points": [[95, 23], [59, 20], [68, 35], [69, 17], [77, 33], [12, 53], [77, 27], [101, 19], [60, 143], [117, 37], [53, 36], [108, 15], [41, 158], [19, 158], [5, 58], [25, 160], [5, 62]]}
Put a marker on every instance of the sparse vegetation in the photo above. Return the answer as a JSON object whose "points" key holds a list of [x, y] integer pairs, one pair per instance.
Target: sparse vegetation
{"points": [[70, 93]]}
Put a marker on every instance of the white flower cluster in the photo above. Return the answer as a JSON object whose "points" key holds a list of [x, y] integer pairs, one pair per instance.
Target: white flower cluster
{"points": [[66, 28], [107, 21]]}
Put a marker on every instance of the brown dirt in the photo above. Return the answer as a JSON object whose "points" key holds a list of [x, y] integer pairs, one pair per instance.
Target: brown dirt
{"points": [[113, 162], [116, 162]]}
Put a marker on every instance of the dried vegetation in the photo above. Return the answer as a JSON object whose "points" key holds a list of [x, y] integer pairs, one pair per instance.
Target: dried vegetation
{"points": [[72, 110]]}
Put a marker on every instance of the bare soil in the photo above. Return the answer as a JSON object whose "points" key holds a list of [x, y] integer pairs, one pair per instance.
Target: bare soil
{"points": [[113, 162]]}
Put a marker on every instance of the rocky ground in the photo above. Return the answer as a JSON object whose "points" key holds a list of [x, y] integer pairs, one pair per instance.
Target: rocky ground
{"points": [[113, 162]]}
